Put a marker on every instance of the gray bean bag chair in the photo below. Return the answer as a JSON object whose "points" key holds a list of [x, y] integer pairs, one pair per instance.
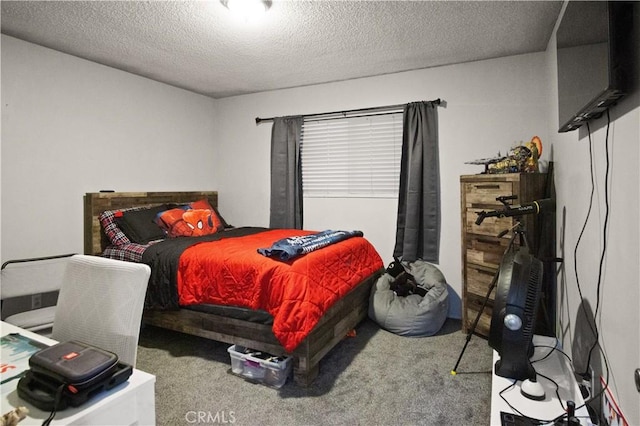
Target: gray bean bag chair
{"points": [[411, 315]]}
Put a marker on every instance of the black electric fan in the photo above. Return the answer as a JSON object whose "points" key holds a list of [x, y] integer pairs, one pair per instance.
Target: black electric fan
{"points": [[514, 318]]}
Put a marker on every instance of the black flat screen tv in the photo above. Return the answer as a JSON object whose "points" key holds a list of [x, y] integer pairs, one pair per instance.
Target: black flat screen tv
{"points": [[594, 56]]}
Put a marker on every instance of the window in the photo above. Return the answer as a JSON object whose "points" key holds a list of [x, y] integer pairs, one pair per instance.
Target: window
{"points": [[352, 156]]}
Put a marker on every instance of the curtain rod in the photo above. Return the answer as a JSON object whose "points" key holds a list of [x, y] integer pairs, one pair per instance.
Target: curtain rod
{"points": [[351, 111]]}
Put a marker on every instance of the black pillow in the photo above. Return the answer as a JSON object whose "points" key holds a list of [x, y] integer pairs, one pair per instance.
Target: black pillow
{"points": [[224, 222], [140, 226]]}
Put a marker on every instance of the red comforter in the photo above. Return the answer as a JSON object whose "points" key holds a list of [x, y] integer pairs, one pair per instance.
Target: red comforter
{"points": [[296, 293]]}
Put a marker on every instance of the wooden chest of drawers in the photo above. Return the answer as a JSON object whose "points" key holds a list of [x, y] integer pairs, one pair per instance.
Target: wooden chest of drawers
{"points": [[482, 249]]}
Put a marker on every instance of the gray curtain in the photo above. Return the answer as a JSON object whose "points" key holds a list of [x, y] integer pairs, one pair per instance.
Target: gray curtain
{"points": [[286, 173], [418, 226]]}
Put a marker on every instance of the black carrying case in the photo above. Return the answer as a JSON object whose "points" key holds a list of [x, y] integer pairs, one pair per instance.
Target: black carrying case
{"points": [[70, 372]]}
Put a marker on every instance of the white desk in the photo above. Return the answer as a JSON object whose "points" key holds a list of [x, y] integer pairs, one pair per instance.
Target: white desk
{"points": [[131, 403], [556, 367]]}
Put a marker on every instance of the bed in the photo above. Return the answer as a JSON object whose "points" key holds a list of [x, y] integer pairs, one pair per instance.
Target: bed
{"points": [[252, 328]]}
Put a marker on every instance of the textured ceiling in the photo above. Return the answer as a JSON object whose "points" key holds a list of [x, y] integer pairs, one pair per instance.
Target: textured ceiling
{"points": [[199, 46]]}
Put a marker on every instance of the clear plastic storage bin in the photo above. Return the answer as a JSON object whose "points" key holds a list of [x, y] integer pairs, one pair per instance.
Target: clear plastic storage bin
{"points": [[259, 366]]}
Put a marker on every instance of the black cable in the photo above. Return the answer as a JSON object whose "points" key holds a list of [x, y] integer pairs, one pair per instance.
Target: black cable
{"points": [[604, 238], [594, 327], [56, 402], [514, 409], [557, 391], [553, 349], [584, 226]]}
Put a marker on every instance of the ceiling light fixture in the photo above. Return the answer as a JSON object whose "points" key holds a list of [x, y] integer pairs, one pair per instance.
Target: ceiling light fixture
{"points": [[247, 9]]}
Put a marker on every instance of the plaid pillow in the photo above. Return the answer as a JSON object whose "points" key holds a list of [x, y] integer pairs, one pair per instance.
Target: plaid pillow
{"points": [[128, 252]]}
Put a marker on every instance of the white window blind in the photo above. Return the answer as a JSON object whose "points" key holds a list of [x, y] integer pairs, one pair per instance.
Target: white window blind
{"points": [[352, 156]]}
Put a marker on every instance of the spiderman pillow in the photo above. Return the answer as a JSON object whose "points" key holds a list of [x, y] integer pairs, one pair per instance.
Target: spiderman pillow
{"points": [[192, 220]]}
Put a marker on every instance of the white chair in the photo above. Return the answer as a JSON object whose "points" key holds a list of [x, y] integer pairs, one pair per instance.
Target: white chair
{"points": [[24, 280], [101, 302]]}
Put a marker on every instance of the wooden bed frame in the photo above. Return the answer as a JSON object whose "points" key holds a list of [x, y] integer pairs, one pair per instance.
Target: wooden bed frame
{"points": [[342, 317]]}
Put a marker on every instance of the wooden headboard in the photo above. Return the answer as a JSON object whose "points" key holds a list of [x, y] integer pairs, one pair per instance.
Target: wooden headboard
{"points": [[95, 240]]}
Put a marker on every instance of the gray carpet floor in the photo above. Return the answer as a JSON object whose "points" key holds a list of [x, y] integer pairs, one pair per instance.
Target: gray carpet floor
{"points": [[374, 378]]}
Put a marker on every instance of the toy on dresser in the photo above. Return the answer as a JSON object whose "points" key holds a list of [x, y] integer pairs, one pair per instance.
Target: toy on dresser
{"points": [[520, 159]]}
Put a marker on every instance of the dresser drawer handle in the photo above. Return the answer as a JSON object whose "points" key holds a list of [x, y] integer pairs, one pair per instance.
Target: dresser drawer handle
{"points": [[491, 242], [487, 186], [491, 274], [482, 271]]}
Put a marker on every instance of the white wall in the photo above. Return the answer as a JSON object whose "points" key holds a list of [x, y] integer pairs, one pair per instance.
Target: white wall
{"points": [[490, 106], [70, 126], [618, 316]]}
